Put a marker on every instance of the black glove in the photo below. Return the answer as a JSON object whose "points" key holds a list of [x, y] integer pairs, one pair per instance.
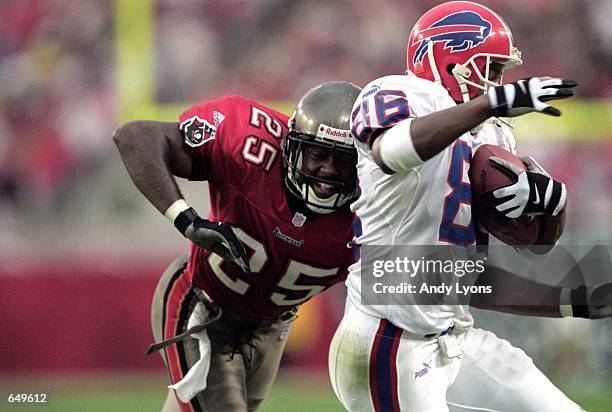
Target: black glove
{"points": [[533, 192], [217, 237], [599, 300], [592, 303], [529, 95]]}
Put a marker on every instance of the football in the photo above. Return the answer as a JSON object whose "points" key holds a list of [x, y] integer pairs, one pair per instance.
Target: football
{"points": [[485, 177]]}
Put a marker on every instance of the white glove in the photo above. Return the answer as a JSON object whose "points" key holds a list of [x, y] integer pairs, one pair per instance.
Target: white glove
{"points": [[528, 95], [533, 193]]}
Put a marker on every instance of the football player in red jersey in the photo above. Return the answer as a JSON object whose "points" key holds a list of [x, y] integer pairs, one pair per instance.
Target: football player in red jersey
{"points": [[276, 234]]}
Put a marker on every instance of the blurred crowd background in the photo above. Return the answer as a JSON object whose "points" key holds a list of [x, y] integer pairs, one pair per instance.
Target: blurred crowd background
{"points": [[57, 75], [64, 193]]}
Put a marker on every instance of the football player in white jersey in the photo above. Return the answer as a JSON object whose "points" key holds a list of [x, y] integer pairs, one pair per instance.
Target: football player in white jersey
{"points": [[415, 143]]}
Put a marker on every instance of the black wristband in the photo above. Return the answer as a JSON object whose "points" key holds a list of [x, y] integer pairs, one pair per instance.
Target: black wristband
{"points": [[578, 297], [501, 109], [554, 198], [184, 219]]}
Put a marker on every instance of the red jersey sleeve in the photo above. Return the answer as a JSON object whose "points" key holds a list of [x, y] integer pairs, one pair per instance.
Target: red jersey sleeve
{"points": [[216, 131], [208, 133]]}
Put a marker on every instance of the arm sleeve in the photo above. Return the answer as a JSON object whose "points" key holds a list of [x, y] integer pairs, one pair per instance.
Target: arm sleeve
{"points": [[376, 111], [397, 149], [206, 129]]}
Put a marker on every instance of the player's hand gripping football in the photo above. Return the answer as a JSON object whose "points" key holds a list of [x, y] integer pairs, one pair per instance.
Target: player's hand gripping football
{"points": [[218, 237], [534, 192], [529, 95]]}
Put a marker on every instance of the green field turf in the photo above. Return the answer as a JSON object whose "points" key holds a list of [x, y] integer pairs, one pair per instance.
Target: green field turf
{"points": [[293, 392]]}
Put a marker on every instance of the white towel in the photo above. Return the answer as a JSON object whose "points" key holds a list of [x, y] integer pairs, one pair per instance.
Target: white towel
{"points": [[195, 380]]}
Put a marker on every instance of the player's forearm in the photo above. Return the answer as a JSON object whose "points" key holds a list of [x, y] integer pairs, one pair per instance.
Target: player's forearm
{"points": [[517, 295], [433, 133], [145, 153]]}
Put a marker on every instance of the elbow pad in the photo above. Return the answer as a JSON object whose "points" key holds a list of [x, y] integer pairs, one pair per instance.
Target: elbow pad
{"points": [[397, 149]]}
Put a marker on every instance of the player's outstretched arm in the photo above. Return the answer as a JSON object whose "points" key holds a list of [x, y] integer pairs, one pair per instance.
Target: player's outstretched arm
{"points": [[520, 296], [429, 135], [153, 153]]}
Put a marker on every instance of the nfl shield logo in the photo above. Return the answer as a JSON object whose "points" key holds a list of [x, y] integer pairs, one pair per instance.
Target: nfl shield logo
{"points": [[298, 220]]}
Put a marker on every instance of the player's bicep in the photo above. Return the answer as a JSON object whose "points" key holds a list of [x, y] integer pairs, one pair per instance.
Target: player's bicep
{"points": [[378, 157]]}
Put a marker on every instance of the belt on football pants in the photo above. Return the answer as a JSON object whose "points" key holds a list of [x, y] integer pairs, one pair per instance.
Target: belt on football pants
{"points": [[215, 313], [438, 334]]}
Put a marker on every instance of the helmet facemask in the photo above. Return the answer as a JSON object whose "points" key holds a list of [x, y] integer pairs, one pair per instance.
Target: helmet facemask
{"points": [[465, 73], [300, 182]]}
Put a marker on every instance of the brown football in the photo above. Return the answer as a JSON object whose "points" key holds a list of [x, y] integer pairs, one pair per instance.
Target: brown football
{"points": [[486, 177]]}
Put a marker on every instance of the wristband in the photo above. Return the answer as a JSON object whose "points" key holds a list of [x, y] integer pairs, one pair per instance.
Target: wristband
{"points": [[184, 219], [573, 303], [181, 215], [562, 197], [175, 208], [580, 308], [498, 100], [397, 149]]}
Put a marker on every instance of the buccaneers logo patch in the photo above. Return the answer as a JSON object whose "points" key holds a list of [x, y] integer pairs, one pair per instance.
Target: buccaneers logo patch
{"points": [[197, 131]]}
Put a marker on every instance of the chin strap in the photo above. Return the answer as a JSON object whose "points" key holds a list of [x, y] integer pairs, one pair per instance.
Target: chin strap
{"points": [[312, 197], [309, 196], [461, 73], [432, 64]]}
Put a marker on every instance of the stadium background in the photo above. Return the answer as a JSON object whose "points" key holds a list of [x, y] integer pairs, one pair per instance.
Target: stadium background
{"points": [[81, 250]]}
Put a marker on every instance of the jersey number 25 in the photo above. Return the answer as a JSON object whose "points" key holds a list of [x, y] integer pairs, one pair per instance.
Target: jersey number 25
{"points": [[289, 280]]}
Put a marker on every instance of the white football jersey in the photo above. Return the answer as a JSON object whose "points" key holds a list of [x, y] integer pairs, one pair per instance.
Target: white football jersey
{"points": [[428, 205]]}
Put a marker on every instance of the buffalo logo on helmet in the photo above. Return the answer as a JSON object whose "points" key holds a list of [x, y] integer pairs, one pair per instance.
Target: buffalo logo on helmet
{"points": [[459, 31], [197, 131]]}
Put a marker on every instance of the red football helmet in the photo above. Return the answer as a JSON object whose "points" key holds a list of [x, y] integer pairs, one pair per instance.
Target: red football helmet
{"points": [[454, 43]]}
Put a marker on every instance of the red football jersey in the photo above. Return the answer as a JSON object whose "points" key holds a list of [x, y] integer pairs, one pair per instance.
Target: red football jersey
{"points": [[292, 257]]}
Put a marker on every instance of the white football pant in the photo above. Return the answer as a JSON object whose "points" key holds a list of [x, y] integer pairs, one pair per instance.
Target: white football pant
{"points": [[375, 366]]}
